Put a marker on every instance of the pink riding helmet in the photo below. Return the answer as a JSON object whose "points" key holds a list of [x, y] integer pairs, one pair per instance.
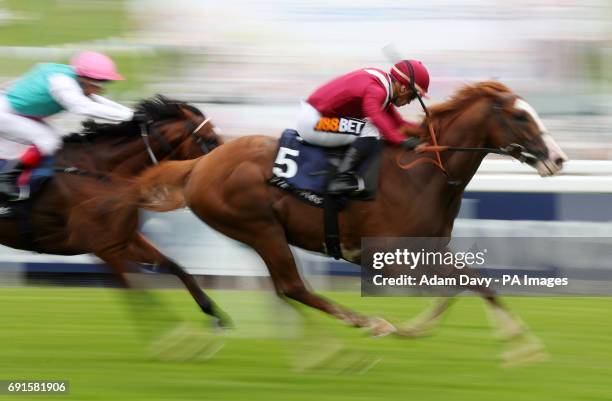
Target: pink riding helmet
{"points": [[95, 66]]}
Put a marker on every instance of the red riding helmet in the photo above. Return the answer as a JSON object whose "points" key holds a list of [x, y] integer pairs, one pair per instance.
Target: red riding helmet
{"points": [[401, 72]]}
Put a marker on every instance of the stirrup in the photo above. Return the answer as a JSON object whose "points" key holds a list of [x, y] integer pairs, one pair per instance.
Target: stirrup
{"points": [[357, 187], [24, 193], [11, 192], [360, 183]]}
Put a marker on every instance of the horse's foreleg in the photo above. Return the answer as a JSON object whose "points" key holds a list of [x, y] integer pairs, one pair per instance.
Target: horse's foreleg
{"points": [[505, 323], [423, 323], [274, 250], [141, 249], [524, 346]]}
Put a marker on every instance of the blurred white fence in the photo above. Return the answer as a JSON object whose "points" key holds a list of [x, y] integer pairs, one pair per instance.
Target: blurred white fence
{"points": [[579, 176], [203, 251]]}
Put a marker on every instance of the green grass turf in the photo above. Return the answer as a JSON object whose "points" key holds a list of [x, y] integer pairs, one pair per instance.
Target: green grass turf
{"points": [[87, 337]]}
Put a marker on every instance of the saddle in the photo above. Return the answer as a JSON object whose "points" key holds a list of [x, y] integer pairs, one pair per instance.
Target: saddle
{"points": [[304, 170]]}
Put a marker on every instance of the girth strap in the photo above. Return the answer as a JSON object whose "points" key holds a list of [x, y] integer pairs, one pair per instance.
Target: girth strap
{"points": [[331, 227]]}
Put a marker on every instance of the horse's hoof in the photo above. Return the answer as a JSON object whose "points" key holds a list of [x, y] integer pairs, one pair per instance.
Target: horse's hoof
{"points": [[527, 350], [183, 343], [379, 327], [412, 331], [524, 355], [511, 333], [337, 359], [223, 323], [322, 357]]}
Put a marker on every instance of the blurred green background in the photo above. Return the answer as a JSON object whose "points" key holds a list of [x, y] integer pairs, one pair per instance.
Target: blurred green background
{"points": [[52, 30]]}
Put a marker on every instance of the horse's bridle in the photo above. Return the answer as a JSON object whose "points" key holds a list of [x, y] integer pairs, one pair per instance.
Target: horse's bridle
{"points": [[514, 149], [146, 128]]}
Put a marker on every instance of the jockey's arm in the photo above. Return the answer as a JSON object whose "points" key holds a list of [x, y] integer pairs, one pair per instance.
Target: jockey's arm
{"points": [[373, 101], [399, 119], [108, 102], [67, 92]]}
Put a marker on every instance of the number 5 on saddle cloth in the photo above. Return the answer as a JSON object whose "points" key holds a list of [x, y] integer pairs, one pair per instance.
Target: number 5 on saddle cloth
{"points": [[304, 170]]}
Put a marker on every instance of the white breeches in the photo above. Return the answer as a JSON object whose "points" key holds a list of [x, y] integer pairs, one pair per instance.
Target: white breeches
{"points": [[331, 132], [18, 132]]}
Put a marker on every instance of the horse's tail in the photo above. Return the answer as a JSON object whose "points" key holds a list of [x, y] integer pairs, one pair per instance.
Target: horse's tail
{"points": [[160, 188], [113, 208]]}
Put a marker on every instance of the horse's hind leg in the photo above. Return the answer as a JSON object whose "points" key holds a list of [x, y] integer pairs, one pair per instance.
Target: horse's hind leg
{"points": [[140, 249], [119, 241], [167, 335]]}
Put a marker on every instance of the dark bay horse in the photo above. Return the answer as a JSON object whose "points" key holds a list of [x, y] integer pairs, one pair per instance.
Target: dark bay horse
{"points": [[60, 217], [228, 190]]}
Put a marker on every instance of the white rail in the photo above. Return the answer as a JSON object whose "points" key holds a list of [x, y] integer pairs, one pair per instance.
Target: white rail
{"points": [[578, 176]]}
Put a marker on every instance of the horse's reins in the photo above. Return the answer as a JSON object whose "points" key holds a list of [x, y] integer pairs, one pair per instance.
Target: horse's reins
{"points": [[435, 148], [144, 133]]}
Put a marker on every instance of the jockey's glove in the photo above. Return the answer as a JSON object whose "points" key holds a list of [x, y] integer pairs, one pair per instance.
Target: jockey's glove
{"points": [[140, 117], [410, 143]]}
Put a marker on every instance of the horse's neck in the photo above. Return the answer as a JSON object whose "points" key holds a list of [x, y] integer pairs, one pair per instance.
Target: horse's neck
{"points": [[127, 158], [133, 159], [461, 166], [467, 127], [428, 202]]}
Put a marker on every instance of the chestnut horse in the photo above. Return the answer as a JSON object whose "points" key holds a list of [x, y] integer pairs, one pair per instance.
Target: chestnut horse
{"points": [[95, 162], [228, 190]]}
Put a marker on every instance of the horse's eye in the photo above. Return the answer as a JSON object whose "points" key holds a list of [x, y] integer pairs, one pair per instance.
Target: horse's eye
{"points": [[521, 117]]}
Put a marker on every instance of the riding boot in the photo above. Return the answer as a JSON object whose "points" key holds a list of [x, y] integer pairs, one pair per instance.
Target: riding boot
{"points": [[9, 188], [346, 180]]}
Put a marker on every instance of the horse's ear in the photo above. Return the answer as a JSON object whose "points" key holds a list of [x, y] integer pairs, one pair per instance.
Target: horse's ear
{"points": [[507, 98], [502, 99], [187, 114]]}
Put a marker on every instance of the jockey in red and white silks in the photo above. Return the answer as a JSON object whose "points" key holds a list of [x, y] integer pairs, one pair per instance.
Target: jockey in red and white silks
{"points": [[357, 108]]}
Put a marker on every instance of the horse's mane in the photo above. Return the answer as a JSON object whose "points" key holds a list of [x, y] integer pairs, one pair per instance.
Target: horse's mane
{"points": [[468, 94], [443, 113], [158, 108]]}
